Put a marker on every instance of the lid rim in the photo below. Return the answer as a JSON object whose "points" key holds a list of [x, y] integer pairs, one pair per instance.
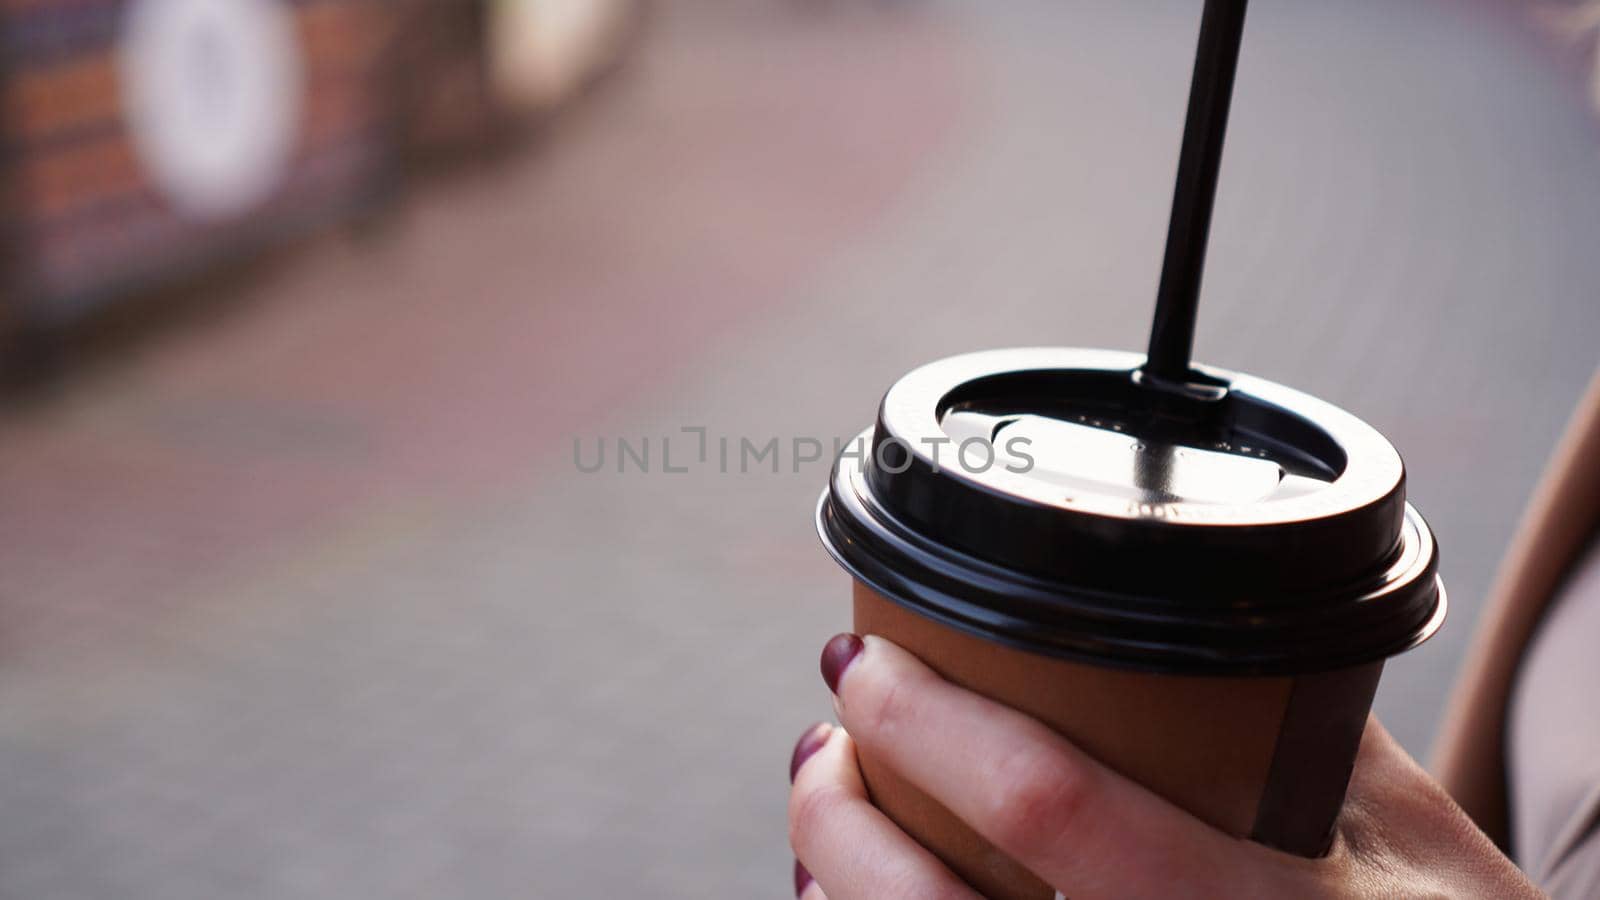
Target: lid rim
{"points": [[908, 414], [1159, 649]]}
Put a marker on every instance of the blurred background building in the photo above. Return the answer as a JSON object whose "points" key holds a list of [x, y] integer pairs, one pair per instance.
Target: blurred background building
{"points": [[311, 309], [150, 141]]}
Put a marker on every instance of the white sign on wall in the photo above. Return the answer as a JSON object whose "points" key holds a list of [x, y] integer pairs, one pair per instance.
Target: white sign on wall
{"points": [[212, 93]]}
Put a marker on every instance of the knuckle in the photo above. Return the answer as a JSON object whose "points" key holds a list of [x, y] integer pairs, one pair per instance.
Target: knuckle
{"points": [[944, 890], [903, 883], [1040, 801], [888, 707], [915, 883], [810, 810]]}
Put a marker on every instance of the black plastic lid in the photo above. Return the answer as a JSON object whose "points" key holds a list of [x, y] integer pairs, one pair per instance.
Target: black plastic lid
{"points": [[1052, 500]]}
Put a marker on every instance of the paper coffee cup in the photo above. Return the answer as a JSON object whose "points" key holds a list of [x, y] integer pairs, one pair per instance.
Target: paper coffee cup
{"points": [[1198, 590]]}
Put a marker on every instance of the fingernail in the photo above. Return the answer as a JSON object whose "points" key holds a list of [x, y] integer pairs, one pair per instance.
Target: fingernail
{"points": [[802, 878], [809, 743], [836, 657]]}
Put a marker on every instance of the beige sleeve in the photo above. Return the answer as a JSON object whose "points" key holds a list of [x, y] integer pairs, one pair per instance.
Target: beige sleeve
{"points": [[1469, 756]]}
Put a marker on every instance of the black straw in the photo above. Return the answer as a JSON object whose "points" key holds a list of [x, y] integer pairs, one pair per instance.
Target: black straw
{"points": [[1172, 332]]}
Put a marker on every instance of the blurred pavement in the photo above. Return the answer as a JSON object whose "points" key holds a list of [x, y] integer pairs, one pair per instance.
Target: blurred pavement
{"points": [[305, 597]]}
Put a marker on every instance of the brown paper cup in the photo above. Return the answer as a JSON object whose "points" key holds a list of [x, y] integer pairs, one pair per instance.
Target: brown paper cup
{"points": [[1266, 758], [1197, 588]]}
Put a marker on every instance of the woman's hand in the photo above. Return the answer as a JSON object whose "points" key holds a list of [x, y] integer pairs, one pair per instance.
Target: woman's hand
{"points": [[1076, 824]]}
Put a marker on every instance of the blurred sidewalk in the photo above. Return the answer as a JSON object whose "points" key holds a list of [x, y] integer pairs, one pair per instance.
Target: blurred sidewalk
{"points": [[304, 597]]}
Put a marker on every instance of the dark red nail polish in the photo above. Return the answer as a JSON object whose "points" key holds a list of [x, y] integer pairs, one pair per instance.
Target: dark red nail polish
{"points": [[802, 878], [836, 657], [809, 743]]}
